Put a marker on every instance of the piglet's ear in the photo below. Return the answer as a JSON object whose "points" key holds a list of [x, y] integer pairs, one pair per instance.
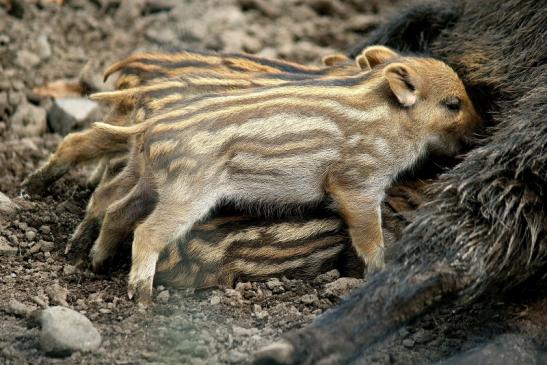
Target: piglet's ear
{"points": [[375, 55], [403, 81], [335, 59]]}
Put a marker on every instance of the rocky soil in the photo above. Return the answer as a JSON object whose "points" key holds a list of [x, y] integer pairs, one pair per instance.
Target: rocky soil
{"points": [[69, 42]]}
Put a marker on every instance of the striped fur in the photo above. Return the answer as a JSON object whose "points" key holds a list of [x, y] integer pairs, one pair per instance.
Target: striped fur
{"points": [[225, 247], [158, 79], [141, 68], [133, 101], [291, 144]]}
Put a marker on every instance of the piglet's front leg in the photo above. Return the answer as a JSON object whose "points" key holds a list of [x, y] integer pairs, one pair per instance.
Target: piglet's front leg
{"points": [[362, 214]]}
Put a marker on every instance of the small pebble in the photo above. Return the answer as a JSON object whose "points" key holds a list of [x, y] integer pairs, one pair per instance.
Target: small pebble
{"points": [[30, 235], [69, 270], [273, 283], [408, 343], [18, 308], [309, 299], [163, 297], [7, 250]]}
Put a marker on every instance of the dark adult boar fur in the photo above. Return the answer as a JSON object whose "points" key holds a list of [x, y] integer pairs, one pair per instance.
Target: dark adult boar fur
{"points": [[485, 230]]}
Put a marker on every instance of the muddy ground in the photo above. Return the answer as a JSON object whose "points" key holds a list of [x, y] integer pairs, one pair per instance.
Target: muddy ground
{"points": [[42, 41]]}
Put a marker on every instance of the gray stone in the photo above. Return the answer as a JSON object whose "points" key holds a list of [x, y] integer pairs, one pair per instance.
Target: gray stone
{"points": [[342, 286], [6, 249], [7, 207], [163, 297], [161, 36], [19, 309], [262, 315], [327, 277], [16, 98], [65, 331], [29, 120], [280, 352], [30, 235], [362, 22], [238, 40], [215, 300], [57, 294], [243, 332], [242, 286], [236, 357], [421, 336], [46, 246], [408, 343], [42, 47], [309, 299], [273, 283], [4, 40], [69, 269], [27, 59], [35, 248], [68, 113]]}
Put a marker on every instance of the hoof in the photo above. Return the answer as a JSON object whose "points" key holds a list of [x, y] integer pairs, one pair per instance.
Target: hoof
{"points": [[141, 292], [35, 183]]}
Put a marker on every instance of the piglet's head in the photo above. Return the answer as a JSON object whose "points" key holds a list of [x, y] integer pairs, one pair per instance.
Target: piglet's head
{"points": [[430, 93], [435, 100]]}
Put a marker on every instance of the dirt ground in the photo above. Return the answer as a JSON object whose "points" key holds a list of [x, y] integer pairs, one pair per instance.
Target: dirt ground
{"points": [[42, 41]]}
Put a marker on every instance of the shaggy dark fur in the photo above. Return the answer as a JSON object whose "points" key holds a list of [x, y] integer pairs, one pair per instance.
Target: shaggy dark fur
{"points": [[486, 228]]}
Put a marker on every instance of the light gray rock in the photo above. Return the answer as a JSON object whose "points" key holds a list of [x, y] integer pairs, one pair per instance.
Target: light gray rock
{"points": [[309, 299], [163, 296], [327, 277], [408, 343], [30, 235], [161, 36], [42, 47], [6, 249], [7, 207], [273, 283], [69, 270], [57, 294], [46, 246], [65, 331], [19, 309], [342, 286], [29, 120], [243, 332], [4, 40], [236, 357], [67, 113], [27, 59]]}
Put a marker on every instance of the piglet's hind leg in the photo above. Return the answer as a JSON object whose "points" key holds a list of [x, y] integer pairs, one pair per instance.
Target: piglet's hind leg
{"points": [[172, 218]]}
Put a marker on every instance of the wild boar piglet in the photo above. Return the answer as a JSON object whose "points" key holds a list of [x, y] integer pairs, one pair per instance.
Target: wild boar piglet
{"points": [[347, 137], [149, 83], [165, 78]]}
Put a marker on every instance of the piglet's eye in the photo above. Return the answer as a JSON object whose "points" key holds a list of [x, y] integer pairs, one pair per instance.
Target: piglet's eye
{"points": [[453, 104]]}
